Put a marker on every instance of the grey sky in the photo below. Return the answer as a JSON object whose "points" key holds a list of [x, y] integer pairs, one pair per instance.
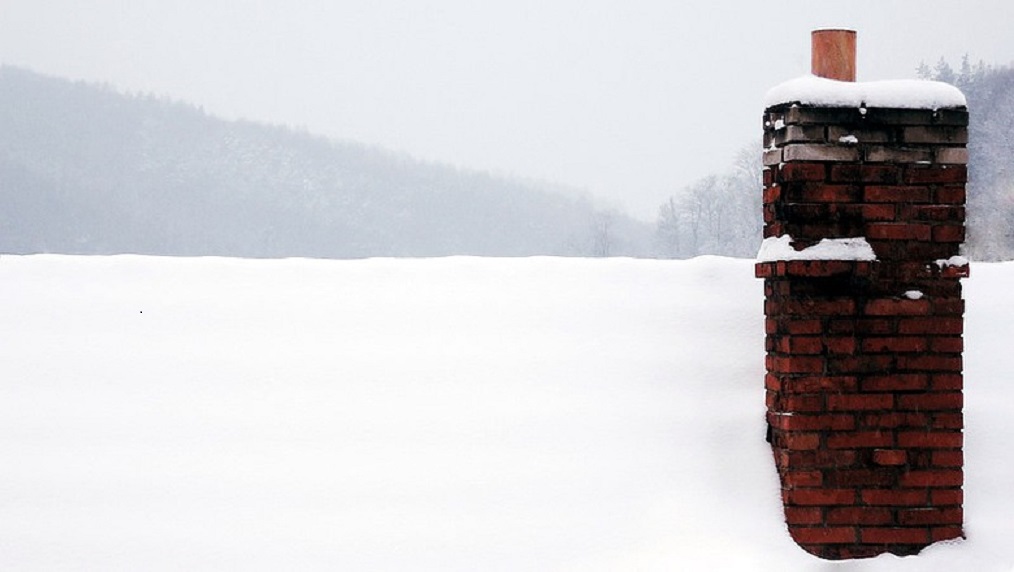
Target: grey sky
{"points": [[630, 100]]}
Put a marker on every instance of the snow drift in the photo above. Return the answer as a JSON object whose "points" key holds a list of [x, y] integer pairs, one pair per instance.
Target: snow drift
{"points": [[441, 414]]}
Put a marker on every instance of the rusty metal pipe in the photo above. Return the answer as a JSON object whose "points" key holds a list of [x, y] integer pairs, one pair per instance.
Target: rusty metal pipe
{"points": [[833, 54]]}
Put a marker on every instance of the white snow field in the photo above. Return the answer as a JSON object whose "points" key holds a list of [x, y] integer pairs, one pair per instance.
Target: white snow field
{"points": [[440, 414]]}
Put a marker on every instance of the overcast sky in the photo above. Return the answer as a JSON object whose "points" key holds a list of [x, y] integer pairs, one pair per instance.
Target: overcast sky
{"points": [[630, 100]]}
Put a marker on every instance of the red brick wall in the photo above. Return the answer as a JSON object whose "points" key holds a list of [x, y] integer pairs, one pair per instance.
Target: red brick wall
{"points": [[864, 384]]}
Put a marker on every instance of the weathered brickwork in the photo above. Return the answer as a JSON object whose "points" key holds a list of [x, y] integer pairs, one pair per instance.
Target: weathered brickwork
{"points": [[864, 358]]}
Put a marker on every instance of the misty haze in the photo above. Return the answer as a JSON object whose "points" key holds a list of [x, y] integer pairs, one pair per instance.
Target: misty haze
{"points": [[448, 285]]}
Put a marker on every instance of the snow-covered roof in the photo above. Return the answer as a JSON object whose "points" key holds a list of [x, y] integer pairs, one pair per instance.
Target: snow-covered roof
{"points": [[426, 414], [902, 93]]}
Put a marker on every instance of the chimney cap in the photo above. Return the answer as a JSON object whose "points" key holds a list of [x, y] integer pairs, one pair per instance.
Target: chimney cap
{"points": [[833, 53]]}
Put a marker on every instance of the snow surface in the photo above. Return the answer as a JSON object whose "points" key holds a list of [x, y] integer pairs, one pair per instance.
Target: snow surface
{"points": [[443, 414], [777, 248], [952, 261], [902, 93]]}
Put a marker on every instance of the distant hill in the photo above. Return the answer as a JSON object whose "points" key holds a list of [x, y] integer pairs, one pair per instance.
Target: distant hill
{"points": [[85, 169]]}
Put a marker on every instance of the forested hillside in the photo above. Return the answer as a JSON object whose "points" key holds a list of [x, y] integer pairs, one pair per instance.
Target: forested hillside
{"points": [[85, 169]]}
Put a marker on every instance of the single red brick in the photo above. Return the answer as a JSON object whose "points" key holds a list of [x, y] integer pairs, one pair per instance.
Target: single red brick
{"points": [[770, 326], [890, 457], [819, 459], [884, 174], [861, 326], [804, 326], [902, 271], [797, 364], [803, 515], [944, 497], [939, 533], [895, 345], [867, 363], [897, 382], [855, 173], [936, 213], [860, 439], [955, 272], [877, 477], [823, 535], [935, 325], [796, 479], [946, 382], [896, 194], [847, 173], [894, 497], [948, 458], [948, 306], [879, 212], [859, 515], [933, 401], [772, 194], [897, 307], [810, 307], [898, 231], [930, 516], [954, 195], [828, 193], [773, 229], [816, 384], [800, 171], [894, 535], [948, 233], [771, 400], [852, 552], [859, 402], [937, 174], [933, 478], [840, 345], [947, 345], [947, 420], [930, 440], [938, 362], [797, 422], [819, 268], [802, 403], [820, 497], [803, 345], [772, 382], [801, 441], [894, 419]]}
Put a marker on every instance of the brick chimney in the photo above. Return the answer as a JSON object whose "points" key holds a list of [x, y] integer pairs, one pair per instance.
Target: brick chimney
{"points": [[864, 192]]}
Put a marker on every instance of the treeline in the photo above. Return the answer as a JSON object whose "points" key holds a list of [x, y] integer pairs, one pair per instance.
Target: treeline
{"points": [[87, 170], [720, 214]]}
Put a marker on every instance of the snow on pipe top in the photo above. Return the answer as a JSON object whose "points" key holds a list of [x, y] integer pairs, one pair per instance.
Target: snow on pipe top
{"points": [[832, 82]]}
